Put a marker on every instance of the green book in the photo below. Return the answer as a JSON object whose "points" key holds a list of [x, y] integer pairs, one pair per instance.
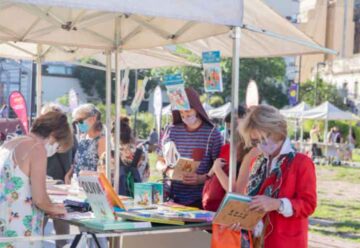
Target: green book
{"points": [[106, 225]]}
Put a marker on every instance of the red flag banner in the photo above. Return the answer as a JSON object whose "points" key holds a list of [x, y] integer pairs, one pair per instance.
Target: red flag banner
{"points": [[18, 104]]}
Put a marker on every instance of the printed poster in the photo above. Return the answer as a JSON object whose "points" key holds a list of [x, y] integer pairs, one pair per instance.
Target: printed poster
{"points": [[212, 71], [176, 92], [124, 86], [139, 95]]}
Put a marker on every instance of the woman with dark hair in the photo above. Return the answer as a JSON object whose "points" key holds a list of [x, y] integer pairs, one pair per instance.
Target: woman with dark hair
{"points": [[92, 141], [195, 137], [134, 166], [23, 160]]}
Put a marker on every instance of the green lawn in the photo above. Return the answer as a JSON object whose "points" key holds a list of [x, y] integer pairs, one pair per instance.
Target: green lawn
{"points": [[338, 210]]}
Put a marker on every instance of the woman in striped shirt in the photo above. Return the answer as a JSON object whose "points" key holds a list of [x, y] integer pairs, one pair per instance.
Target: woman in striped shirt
{"points": [[196, 138]]}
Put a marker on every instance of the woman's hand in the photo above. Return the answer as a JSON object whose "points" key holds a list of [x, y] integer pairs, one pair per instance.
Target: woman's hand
{"points": [[193, 179], [263, 203], [218, 165], [57, 210], [234, 227]]}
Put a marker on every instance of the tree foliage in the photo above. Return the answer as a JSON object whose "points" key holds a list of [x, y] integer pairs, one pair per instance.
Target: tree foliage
{"points": [[325, 92]]}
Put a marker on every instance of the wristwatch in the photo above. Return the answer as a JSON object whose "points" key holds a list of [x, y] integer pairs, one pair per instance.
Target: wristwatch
{"points": [[281, 207]]}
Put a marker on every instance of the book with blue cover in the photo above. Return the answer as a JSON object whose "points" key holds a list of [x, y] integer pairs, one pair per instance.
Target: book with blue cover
{"points": [[107, 225]]}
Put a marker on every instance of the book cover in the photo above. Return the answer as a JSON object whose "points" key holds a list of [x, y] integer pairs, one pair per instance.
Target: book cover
{"points": [[212, 71], [176, 92], [235, 209], [143, 194], [183, 166], [157, 193]]}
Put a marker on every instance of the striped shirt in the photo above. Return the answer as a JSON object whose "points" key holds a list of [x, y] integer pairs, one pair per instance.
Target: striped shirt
{"points": [[205, 143]]}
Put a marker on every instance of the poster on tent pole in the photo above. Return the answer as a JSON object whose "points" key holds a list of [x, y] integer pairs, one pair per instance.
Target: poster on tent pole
{"points": [[212, 71], [158, 107], [73, 100], [252, 94], [124, 86], [292, 94], [18, 104], [139, 95], [176, 92]]}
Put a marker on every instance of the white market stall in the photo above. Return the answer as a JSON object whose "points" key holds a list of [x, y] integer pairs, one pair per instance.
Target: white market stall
{"points": [[120, 25], [328, 112]]}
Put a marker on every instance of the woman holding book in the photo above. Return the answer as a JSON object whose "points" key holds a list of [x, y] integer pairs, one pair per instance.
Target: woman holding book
{"points": [[218, 178], [23, 160], [195, 137], [282, 182]]}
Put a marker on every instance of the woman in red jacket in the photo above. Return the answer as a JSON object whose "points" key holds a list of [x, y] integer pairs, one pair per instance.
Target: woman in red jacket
{"points": [[282, 182]]}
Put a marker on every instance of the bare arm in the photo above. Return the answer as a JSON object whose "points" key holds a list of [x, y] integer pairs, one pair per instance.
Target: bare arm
{"points": [[220, 174], [38, 164], [101, 146], [244, 172]]}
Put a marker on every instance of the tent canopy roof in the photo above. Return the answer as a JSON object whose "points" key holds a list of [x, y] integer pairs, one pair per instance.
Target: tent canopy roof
{"points": [[296, 111], [327, 111], [106, 25]]}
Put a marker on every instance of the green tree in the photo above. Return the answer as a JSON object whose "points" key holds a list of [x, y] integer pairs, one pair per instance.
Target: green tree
{"points": [[325, 92]]}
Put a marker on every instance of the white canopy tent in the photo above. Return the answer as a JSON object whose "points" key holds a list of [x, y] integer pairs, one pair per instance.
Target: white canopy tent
{"points": [[295, 112], [114, 25], [328, 112], [168, 110], [220, 112], [260, 37]]}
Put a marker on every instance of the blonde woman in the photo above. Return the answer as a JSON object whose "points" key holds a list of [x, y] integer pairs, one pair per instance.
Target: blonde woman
{"points": [[282, 182], [92, 144]]}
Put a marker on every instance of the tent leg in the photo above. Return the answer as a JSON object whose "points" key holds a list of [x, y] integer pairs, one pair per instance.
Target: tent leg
{"points": [[301, 135], [117, 121], [38, 80], [325, 137], [234, 106], [108, 113]]}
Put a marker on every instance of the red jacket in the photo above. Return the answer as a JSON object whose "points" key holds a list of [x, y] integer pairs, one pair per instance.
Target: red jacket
{"points": [[299, 186]]}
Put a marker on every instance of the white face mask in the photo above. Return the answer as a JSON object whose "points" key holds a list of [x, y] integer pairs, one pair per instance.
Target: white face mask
{"points": [[190, 120], [268, 146], [51, 149]]}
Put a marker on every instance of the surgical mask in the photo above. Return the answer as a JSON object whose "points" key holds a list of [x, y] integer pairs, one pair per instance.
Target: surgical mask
{"points": [[51, 149], [268, 146], [190, 120], [83, 127]]}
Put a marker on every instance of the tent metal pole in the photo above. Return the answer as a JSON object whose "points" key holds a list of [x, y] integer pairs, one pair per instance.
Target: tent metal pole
{"points": [[117, 121], [117, 106], [108, 113], [325, 137], [234, 106], [38, 80]]}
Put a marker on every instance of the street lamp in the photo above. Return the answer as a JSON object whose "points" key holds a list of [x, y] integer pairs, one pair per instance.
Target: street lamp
{"points": [[317, 80]]}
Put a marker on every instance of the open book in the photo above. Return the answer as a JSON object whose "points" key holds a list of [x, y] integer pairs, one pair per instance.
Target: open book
{"points": [[184, 165], [235, 209]]}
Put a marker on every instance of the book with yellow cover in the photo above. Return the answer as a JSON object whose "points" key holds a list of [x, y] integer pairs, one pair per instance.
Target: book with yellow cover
{"points": [[184, 165]]}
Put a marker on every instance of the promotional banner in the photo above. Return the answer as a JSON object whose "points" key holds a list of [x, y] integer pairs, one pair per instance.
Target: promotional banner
{"points": [[292, 94], [139, 95], [252, 94], [73, 100], [212, 71], [18, 104], [158, 107], [125, 85], [176, 92]]}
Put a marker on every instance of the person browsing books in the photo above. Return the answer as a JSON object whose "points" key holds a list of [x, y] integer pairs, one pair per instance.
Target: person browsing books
{"points": [[92, 143], [23, 196], [195, 137], [282, 182], [218, 178]]}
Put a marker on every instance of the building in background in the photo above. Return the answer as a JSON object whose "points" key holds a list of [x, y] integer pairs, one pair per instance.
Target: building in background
{"points": [[336, 25]]}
